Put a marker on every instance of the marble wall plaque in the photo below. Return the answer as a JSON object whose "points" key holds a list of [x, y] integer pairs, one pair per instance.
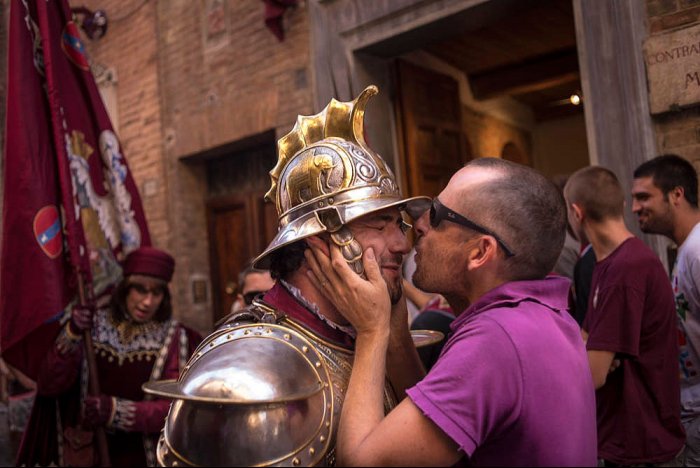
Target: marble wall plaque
{"points": [[673, 69]]}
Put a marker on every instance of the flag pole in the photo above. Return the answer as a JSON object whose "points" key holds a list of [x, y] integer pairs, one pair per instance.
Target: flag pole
{"points": [[74, 225], [93, 381]]}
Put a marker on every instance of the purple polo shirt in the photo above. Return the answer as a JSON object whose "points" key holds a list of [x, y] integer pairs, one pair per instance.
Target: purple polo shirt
{"points": [[512, 385]]}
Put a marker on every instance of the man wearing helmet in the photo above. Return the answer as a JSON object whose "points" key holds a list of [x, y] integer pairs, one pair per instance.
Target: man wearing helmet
{"points": [[267, 387]]}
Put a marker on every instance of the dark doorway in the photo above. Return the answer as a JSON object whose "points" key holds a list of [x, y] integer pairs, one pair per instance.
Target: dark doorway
{"points": [[434, 146], [240, 223]]}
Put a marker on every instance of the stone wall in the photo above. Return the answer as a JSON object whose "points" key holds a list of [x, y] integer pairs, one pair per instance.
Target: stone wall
{"points": [[676, 132]]}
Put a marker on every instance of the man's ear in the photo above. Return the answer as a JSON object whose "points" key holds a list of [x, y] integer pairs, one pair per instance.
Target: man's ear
{"points": [[675, 195], [578, 212], [481, 252]]}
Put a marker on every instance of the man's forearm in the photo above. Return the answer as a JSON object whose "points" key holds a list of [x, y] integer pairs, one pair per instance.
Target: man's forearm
{"points": [[363, 408], [403, 365]]}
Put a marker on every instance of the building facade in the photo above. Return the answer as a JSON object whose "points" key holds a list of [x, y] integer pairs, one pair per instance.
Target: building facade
{"points": [[199, 92]]}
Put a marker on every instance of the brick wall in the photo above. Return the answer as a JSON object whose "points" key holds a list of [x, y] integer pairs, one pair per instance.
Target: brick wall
{"points": [[129, 48], [224, 77], [192, 76], [676, 132]]}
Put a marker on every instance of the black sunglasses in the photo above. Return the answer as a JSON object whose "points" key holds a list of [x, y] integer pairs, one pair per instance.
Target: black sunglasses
{"points": [[439, 212]]}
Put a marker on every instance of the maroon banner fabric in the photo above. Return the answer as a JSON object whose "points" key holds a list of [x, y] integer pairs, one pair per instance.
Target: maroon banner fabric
{"points": [[70, 204], [274, 12]]}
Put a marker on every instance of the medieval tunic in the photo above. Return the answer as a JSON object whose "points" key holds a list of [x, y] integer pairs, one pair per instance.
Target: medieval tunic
{"points": [[128, 354]]}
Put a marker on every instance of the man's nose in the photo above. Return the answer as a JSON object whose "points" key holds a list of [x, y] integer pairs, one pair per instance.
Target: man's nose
{"points": [[399, 242], [635, 206], [422, 224]]}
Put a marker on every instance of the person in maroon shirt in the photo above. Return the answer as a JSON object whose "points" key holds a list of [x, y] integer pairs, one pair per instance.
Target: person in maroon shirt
{"points": [[630, 320], [135, 340]]}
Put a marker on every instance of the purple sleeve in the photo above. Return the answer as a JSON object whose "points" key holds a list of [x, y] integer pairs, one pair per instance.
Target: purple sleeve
{"points": [[614, 324], [474, 391]]}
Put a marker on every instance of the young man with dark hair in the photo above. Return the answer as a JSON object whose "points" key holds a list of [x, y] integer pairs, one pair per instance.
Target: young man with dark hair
{"points": [[630, 318], [665, 200], [512, 385]]}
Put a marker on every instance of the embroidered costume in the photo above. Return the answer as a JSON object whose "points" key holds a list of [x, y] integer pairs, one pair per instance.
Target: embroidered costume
{"points": [[128, 355], [135, 340]]}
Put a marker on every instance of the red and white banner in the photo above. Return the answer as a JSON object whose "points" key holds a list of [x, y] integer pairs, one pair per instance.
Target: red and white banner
{"points": [[70, 204]]}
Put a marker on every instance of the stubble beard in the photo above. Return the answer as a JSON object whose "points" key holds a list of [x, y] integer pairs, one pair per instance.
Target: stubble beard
{"points": [[420, 280], [662, 225], [395, 290]]}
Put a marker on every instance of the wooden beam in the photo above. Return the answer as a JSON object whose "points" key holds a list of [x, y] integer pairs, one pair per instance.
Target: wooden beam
{"points": [[525, 77]]}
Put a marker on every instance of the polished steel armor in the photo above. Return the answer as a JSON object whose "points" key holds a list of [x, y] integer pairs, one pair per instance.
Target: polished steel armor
{"points": [[257, 393]]}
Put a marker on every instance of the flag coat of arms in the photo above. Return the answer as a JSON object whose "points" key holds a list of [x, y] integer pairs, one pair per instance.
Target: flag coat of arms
{"points": [[71, 207]]}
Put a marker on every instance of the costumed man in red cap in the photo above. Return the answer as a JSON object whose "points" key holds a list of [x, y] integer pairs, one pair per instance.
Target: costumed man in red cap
{"points": [[135, 340]]}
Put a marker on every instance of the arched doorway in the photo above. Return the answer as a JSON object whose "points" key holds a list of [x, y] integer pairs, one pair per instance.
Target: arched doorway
{"points": [[511, 152]]}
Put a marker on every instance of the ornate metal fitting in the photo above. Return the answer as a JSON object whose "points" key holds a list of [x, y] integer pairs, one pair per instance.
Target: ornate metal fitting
{"points": [[350, 248]]}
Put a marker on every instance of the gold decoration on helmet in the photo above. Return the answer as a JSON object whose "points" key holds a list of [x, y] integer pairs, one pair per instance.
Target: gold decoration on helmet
{"points": [[343, 120], [326, 176]]}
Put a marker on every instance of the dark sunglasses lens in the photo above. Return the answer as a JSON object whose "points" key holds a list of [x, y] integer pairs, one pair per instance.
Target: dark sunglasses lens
{"points": [[433, 216]]}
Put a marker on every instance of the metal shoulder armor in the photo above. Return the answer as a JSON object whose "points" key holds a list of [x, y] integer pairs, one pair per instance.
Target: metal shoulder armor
{"points": [[253, 394]]}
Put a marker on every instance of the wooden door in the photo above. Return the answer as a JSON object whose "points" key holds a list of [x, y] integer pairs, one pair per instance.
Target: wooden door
{"points": [[240, 227], [430, 116]]}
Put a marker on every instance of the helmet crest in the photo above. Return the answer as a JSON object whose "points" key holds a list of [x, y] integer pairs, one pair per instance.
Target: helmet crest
{"points": [[344, 120]]}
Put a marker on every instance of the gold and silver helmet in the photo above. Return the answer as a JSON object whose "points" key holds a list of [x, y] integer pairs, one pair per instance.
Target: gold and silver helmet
{"points": [[326, 176]]}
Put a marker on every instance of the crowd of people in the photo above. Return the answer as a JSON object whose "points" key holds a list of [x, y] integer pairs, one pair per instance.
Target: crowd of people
{"points": [[532, 371]]}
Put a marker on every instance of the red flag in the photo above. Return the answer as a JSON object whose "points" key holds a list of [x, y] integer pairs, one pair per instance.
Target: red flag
{"points": [[71, 206]]}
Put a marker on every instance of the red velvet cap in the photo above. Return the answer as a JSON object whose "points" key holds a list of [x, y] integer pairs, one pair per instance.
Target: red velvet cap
{"points": [[150, 261]]}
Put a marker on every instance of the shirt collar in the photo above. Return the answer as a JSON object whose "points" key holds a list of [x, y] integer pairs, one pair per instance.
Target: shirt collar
{"points": [[551, 292]]}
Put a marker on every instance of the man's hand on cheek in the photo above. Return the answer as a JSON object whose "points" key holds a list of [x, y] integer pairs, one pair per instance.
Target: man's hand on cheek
{"points": [[364, 303]]}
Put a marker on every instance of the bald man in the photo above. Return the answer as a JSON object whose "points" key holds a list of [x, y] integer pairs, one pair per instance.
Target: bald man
{"points": [[512, 385]]}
